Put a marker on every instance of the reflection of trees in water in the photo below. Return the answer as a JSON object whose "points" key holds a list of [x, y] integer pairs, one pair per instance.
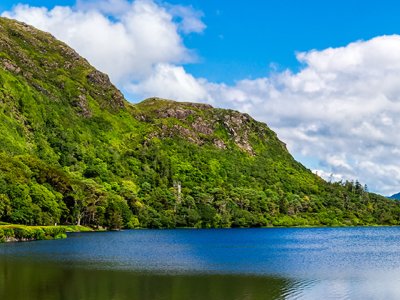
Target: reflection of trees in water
{"points": [[36, 281]]}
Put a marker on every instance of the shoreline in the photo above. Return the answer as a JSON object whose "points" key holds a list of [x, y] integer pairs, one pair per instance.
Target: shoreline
{"points": [[10, 233]]}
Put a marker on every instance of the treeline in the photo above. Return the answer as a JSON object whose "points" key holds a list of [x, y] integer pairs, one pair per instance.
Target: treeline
{"points": [[177, 184]]}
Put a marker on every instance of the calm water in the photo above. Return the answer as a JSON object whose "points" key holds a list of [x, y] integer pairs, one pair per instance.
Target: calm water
{"points": [[313, 263]]}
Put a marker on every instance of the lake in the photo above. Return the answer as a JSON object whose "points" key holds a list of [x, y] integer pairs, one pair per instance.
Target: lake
{"points": [[268, 263]]}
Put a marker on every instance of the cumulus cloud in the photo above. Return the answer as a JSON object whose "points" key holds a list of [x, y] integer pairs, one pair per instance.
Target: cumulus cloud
{"points": [[108, 7], [171, 82], [124, 39], [190, 19], [341, 108]]}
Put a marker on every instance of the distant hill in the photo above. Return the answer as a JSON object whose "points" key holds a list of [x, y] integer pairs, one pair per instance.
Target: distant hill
{"points": [[395, 196], [74, 151]]}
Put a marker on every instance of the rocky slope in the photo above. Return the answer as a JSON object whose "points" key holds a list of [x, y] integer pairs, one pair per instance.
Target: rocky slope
{"points": [[74, 151]]}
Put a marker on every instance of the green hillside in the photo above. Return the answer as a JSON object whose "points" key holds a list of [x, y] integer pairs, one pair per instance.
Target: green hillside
{"points": [[74, 151]]}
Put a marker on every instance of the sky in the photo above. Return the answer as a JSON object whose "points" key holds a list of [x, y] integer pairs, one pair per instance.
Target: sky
{"points": [[323, 74]]}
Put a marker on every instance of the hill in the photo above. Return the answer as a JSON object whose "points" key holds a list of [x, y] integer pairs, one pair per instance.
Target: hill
{"points": [[395, 196], [74, 151]]}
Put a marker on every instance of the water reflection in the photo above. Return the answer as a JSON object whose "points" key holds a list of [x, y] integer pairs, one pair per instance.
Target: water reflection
{"points": [[28, 280], [21, 280], [314, 263]]}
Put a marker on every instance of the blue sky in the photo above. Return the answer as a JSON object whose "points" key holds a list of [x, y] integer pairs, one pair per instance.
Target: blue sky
{"points": [[258, 33], [244, 38], [323, 74]]}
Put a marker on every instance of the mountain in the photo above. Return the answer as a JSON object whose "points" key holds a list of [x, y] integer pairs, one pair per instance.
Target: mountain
{"points": [[395, 196], [74, 151]]}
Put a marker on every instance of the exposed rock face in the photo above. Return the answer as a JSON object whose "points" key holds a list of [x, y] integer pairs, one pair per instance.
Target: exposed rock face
{"points": [[238, 126], [202, 126], [83, 106], [177, 130], [98, 78], [8, 65], [219, 144], [200, 123], [177, 113]]}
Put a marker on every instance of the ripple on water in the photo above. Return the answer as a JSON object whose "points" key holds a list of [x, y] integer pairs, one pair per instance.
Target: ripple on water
{"points": [[336, 263]]}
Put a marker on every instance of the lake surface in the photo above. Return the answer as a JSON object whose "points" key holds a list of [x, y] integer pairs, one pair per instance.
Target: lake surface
{"points": [[276, 263]]}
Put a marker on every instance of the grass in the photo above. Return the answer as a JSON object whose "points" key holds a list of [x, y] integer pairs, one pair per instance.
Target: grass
{"points": [[77, 228]]}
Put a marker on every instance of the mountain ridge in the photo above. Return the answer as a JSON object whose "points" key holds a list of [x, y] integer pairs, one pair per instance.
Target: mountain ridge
{"points": [[395, 196]]}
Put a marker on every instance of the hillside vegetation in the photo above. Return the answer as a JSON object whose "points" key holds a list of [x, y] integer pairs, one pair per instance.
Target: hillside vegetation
{"points": [[74, 151]]}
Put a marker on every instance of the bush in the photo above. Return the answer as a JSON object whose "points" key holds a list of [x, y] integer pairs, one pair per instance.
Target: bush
{"points": [[22, 233]]}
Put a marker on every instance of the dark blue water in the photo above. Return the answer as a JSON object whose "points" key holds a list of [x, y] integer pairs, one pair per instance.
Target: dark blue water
{"points": [[311, 263]]}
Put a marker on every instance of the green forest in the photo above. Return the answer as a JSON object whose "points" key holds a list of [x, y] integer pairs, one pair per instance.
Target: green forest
{"points": [[74, 151]]}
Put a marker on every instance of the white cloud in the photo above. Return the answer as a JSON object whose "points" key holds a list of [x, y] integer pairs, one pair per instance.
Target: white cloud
{"points": [[108, 7], [124, 39], [171, 82], [190, 19], [341, 108]]}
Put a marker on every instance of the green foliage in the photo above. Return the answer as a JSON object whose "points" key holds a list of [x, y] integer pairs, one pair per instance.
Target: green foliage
{"points": [[73, 152], [28, 233]]}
